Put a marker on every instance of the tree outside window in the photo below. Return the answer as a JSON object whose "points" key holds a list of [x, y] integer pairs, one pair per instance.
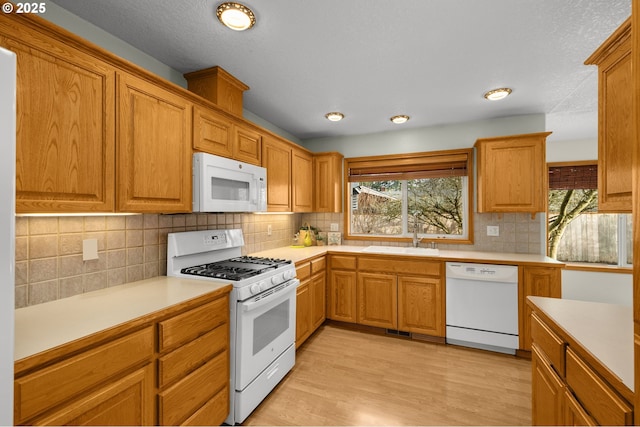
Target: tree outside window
{"points": [[577, 232]]}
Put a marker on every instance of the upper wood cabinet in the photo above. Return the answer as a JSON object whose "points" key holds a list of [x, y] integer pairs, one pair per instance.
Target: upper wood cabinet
{"points": [[154, 148], [65, 125], [512, 173], [615, 130], [247, 145], [327, 182], [276, 158], [289, 176], [212, 132], [301, 180]]}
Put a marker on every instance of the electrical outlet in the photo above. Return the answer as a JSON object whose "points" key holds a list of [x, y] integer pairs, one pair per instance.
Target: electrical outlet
{"points": [[493, 230], [334, 226], [269, 230], [89, 249]]}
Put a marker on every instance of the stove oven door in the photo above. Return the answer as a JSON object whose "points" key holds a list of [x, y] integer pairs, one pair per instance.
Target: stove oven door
{"points": [[266, 327]]}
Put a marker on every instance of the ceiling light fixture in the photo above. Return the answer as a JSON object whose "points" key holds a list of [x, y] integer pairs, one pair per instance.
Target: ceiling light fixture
{"points": [[496, 94], [399, 119], [236, 16], [334, 116]]}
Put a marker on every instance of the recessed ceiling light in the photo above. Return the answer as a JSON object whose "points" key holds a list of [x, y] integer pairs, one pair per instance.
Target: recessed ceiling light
{"points": [[399, 119], [496, 94], [334, 116], [236, 16]]}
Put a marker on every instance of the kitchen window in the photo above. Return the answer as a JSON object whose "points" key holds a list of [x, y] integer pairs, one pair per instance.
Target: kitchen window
{"points": [[577, 232], [391, 197]]}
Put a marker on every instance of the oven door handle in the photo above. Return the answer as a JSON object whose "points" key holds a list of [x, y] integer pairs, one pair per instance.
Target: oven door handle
{"points": [[254, 305]]}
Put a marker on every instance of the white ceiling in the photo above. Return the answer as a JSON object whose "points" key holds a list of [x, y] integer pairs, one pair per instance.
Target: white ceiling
{"points": [[372, 59]]}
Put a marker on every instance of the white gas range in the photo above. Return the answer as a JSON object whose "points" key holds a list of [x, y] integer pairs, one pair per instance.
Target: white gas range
{"points": [[262, 306]]}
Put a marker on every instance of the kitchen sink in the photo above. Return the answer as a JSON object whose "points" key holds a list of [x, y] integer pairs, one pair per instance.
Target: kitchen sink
{"points": [[397, 250]]}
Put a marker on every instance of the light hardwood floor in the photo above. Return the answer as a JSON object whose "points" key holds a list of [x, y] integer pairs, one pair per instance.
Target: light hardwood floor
{"points": [[344, 377]]}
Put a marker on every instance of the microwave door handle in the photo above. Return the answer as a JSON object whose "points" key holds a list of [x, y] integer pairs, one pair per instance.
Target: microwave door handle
{"points": [[256, 190]]}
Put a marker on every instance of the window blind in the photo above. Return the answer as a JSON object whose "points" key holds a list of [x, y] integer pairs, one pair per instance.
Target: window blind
{"points": [[573, 177], [409, 166]]}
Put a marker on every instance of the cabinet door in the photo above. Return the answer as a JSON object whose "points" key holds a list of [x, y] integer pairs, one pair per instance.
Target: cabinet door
{"points": [[327, 182], [247, 145], [276, 157], [318, 300], [342, 296], [303, 313], [512, 173], [65, 128], [126, 401], [535, 281], [154, 148], [574, 413], [212, 132], [378, 300], [420, 305], [302, 181], [546, 392], [615, 130]]}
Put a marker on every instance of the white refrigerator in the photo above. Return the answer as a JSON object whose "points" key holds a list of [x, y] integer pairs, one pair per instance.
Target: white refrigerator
{"points": [[7, 230]]}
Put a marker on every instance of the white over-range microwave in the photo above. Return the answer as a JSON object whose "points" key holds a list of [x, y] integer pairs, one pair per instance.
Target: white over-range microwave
{"points": [[226, 185]]}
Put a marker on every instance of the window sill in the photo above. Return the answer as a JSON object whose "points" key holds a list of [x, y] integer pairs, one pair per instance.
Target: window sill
{"points": [[598, 268]]}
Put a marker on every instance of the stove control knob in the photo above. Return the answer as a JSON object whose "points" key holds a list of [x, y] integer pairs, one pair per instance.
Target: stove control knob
{"points": [[255, 289], [263, 286], [288, 275], [275, 280]]}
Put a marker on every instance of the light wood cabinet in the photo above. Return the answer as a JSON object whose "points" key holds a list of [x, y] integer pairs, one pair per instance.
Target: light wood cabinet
{"points": [[615, 123], [276, 158], [420, 305], [289, 176], [212, 132], [534, 281], [342, 289], [512, 173], [154, 148], [547, 392], [327, 182], [247, 145], [170, 367], [301, 180], [568, 385], [65, 146], [58, 391], [377, 300], [310, 298]]}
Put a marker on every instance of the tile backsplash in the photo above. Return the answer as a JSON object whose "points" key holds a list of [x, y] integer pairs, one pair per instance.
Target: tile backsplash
{"points": [[49, 263]]}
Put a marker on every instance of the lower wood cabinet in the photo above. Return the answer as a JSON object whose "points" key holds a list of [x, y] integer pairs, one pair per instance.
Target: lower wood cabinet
{"points": [[403, 293], [168, 368], [535, 281], [310, 298], [566, 389]]}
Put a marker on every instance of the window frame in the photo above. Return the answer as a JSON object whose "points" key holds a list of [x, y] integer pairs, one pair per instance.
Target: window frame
{"points": [[621, 230], [407, 158]]}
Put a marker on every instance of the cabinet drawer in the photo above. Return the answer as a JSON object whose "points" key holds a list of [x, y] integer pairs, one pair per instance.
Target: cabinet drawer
{"points": [[399, 265], [190, 325], [343, 262], [186, 358], [44, 389], [318, 265], [212, 413], [597, 398], [184, 398], [303, 271], [550, 344]]}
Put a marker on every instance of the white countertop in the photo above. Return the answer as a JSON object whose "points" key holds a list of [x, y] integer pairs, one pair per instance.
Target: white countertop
{"points": [[297, 254], [45, 326], [604, 330]]}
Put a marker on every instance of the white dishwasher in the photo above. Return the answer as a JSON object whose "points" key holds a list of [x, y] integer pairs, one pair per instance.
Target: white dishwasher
{"points": [[482, 306]]}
